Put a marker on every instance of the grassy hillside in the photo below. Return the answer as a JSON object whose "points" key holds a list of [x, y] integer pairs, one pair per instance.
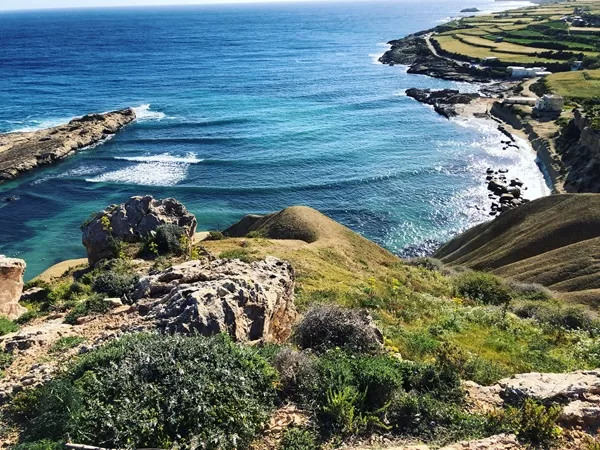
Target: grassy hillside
{"points": [[440, 326], [554, 241]]}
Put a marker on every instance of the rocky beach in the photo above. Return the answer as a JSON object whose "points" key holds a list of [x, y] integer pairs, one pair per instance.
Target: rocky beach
{"points": [[23, 151]]}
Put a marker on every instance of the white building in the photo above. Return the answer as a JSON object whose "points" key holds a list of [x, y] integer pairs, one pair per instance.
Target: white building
{"points": [[530, 101], [550, 103], [527, 72]]}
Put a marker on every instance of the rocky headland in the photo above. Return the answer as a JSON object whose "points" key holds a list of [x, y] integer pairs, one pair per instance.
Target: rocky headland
{"points": [[24, 151], [416, 52]]}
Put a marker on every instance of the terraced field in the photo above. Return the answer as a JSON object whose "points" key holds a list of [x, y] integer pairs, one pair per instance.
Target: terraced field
{"points": [[525, 36]]}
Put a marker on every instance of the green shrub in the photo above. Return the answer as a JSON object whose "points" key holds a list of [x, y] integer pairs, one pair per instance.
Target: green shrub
{"points": [[327, 327], [482, 288], [115, 284], [158, 391], [349, 393], [237, 253], [299, 438], [7, 326], [6, 360], [429, 418], [171, 239], [44, 444], [28, 317], [94, 304], [215, 236], [529, 291], [295, 369], [66, 343], [537, 423]]}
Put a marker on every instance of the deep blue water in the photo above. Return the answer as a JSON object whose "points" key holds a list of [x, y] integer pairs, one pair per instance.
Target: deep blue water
{"points": [[242, 109]]}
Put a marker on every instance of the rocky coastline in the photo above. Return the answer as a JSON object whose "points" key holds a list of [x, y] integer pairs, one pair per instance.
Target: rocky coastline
{"points": [[23, 151]]}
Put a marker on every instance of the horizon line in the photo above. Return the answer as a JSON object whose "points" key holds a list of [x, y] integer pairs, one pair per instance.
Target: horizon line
{"points": [[199, 3]]}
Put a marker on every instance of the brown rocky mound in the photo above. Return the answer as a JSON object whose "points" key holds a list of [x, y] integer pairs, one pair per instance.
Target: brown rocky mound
{"points": [[554, 241]]}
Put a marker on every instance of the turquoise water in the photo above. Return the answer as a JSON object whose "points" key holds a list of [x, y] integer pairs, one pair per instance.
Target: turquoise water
{"points": [[243, 109]]}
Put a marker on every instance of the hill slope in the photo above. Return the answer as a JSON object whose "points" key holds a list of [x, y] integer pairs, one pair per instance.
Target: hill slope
{"points": [[554, 241]]}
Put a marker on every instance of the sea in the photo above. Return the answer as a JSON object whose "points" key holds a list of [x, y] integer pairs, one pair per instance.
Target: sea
{"points": [[245, 109]]}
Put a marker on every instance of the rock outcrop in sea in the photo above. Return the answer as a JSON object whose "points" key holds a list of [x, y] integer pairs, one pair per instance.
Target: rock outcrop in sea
{"points": [[132, 221], [11, 286], [444, 101], [24, 151]]}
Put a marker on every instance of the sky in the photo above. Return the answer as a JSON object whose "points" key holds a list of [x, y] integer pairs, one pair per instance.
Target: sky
{"points": [[47, 4]]}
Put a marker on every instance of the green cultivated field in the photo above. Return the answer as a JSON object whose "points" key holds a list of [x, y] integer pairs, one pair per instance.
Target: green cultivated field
{"points": [[524, 36], [575, 85]]}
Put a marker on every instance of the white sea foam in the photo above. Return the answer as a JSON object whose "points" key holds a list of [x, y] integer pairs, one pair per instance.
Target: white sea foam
{"points": [[375, 56], [35, 125], [521, 161], [189, 158], [144, 113], [151, 170], [145, 174]]}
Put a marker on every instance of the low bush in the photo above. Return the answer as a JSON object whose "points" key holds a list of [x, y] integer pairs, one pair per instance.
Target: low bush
{"points": [[427, 417], [482, 288], [44, 444], [529, 291], [299, 438], [215, 236], [28, 317], [94, 304], [114, 283], [7, 326], [66, 343], [537, 423], [237, 253], [327, 327], [294, 368], [171, 239], [155, 391]]}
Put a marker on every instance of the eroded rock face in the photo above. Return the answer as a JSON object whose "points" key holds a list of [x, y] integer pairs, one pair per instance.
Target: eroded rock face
{"points": [[132, 221], [249, 301], [11, 286]]}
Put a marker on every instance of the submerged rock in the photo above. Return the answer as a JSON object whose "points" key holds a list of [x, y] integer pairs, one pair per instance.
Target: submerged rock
{"points": [[132, 221], [250, 301], [11, 286]]}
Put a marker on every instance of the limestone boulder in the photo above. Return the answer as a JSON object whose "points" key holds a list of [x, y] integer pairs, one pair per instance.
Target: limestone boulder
{"points": [[250, 301], [577, 392], [11, 286], [132, 221]]}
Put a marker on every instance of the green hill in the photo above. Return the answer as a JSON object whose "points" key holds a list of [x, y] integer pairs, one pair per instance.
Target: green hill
{"points": [[554, 241]]}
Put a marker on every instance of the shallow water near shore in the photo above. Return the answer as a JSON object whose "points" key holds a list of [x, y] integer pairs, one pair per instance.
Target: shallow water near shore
{"points": [[244, 109]]}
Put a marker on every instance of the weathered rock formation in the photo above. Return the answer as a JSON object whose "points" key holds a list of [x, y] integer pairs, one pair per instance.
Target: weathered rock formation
{"points": [[11, 286], [20, 152], [444, 101], [553, 241], [249, 301], [579, 150], [577, 392], [132, 221]]}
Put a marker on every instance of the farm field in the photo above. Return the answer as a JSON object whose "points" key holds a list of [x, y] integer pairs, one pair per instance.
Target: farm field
{"points": [[575, 85], [526, 36]]}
